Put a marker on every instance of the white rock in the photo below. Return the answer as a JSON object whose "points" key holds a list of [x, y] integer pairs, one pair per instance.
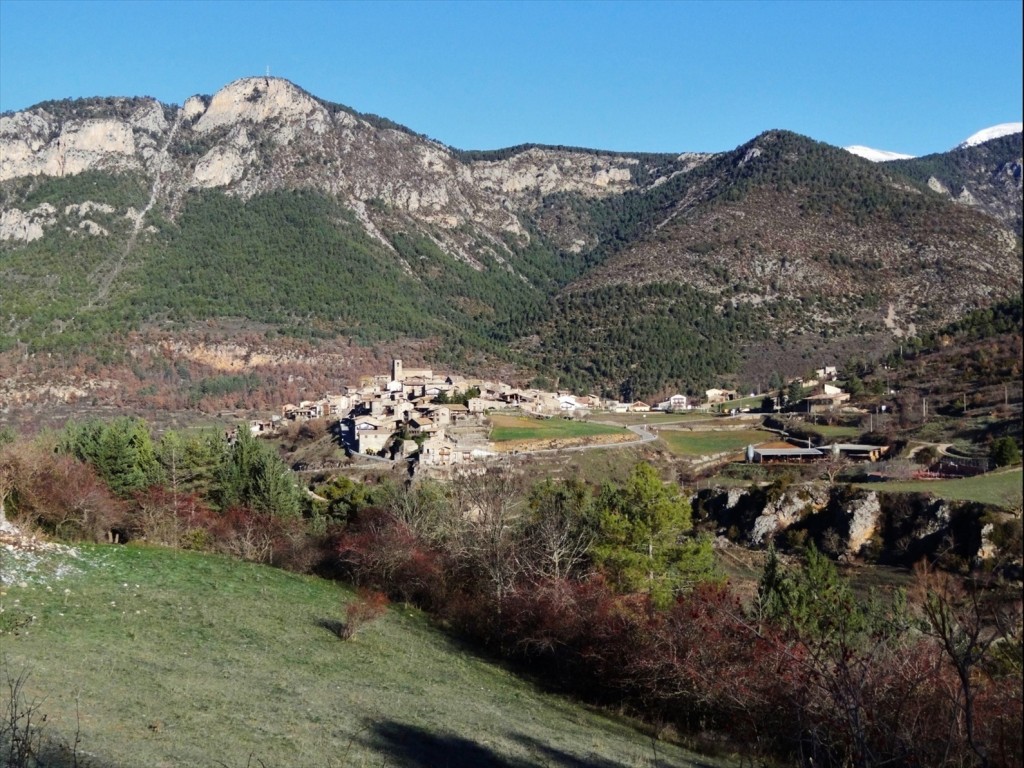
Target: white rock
{"points": [[865, 514], [218, 168], [149, 117], [22, 226], [92, 227]]}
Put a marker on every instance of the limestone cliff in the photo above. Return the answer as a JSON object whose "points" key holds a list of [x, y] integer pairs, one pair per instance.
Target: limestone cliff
{"points": [[260, 134]]}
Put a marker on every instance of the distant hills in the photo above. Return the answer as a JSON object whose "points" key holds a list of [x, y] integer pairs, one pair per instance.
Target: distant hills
{"points": [[265, 207]]}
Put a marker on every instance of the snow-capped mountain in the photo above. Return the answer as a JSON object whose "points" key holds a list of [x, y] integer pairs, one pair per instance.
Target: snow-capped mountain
{"points": [[876, 155], [987, 134]]}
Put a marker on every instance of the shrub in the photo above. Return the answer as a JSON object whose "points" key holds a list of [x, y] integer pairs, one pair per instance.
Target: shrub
{"points": [[1005, 452], [60, 494], [313, 429], [367, 608]]}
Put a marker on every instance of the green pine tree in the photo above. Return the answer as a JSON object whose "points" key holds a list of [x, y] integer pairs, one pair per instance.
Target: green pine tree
{"points": [[641, 538]]}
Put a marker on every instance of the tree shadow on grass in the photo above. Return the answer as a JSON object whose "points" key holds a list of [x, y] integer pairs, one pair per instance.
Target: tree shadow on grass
{"points": [[51, 754], [415, 747], [333, 626], [558, 757], [409, 745]]}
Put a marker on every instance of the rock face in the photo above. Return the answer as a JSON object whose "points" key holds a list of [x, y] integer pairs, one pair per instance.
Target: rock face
{"points": [[259, 134], [897, 529], [30, 149], [27, 226], [263, 100], [789, 508], [865, 515]]}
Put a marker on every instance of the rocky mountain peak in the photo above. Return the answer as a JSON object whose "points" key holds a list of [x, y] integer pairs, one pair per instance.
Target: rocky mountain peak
{"points": [[260, 100]]}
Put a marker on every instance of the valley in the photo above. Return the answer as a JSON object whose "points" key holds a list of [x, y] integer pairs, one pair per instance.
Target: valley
{"points": [[612, 433]]}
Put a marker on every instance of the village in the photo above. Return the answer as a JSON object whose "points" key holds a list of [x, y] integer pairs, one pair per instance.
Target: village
{"points": [[438, 421]]}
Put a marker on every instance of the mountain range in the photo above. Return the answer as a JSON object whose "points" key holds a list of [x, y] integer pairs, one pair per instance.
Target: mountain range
{"points": [[264, 207]]}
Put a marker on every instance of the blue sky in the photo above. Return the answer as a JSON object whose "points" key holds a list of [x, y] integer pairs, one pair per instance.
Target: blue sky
{"points": [[913, 77]]}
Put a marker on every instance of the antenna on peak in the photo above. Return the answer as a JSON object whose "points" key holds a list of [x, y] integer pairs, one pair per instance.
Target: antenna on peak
{"points": [[268, 70]]}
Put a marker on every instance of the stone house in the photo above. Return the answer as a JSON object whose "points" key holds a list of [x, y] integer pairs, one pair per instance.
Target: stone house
{"points": [[715, 396], [826, 403], [440, 450]]}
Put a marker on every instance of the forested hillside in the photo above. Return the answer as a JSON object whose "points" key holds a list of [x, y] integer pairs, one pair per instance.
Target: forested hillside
{"points": [[262, 207], [988, 175]]}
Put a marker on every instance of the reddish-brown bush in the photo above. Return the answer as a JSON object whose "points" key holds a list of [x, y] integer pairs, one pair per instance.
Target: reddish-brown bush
{"points": [[161, 516], [379, 551], [367, 607], [58, 493]]}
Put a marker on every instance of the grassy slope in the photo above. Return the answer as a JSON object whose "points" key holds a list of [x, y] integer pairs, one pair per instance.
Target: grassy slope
{"points": [[188, 659], [1001, 488]]}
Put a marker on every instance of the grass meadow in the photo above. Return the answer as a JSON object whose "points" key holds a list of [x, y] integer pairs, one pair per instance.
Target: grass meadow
{"points": [[691, 444], [186, 659], [835, 432], [1001, 488], [655, 417]]}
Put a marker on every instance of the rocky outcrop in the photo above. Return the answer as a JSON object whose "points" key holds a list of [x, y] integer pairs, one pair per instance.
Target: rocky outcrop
{"points": [[865, 515], [258, 134], [262, 100], [898, 529], [35, 143], [527, 176], [26, 226], [788, 509], [220, 167]]}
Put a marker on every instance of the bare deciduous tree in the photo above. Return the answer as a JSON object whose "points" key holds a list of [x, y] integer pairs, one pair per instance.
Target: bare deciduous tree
{"points": [[494, 509], [968, 626]]}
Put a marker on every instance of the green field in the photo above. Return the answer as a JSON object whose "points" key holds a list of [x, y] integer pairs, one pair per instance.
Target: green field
{"points": [[655, 418], [505, 428], [183, 659], [834, 433], [692, 444], [1002, 488]]}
